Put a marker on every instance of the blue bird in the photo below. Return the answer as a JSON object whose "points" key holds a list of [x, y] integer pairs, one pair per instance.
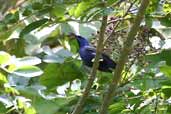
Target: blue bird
{"points": [[88, 53]]}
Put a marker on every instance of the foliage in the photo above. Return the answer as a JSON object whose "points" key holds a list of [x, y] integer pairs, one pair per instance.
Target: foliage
{"points": [[40, 69]]}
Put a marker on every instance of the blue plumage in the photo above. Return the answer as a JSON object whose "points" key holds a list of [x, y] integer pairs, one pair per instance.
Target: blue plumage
{"points": [[87, 54]]}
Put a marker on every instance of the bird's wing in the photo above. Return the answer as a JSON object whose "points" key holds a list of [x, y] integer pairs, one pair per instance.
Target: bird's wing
{"points": [[90, 48], [93, 51]]}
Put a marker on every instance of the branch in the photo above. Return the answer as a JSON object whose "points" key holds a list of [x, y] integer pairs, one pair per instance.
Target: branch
{"points": [[119, 21], [79, 107], [123, 58]]}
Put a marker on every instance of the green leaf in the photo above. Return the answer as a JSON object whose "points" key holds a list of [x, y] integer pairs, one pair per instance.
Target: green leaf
{"points": [[3, 78], [5, 34], [29, 60], [30, 110], [28, 71], [152, 7], [166, 70], [3, 26], [32, 26], [16, 47], [166, 21], [167, 7], [2, 108], [116, 108], [110, 2], [164, 55], [166, 90], [41, 104], [56, 57], [4, 57], [11, 18], [37, 5], [58, 10], [59, 74], [81, 8], [27, 11]]}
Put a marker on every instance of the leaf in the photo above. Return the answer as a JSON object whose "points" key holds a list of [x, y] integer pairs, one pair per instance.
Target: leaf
{"points": [[166, 90], [167, 7], [166, 70], [2, 109], [30, 110], [11, 18], [59, 74], [40, 104], [58, 10], [53, 59], [153, 5], [3, 78], [56, 57], [4, 57], [81, 8], [37, 5], [116, 108], [166, 21], [66, 28], [16, 47], [30, 60], [165, 55], [5, 34], [28, 71], [32, 26], [3, 26], [110, 2]]}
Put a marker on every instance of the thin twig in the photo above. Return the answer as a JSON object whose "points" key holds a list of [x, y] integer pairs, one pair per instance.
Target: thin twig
{"points": [[119, 21], [79, 107], [123, 58]]}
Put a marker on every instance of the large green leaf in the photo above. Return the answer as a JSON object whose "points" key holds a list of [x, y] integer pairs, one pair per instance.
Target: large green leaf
{"points": [[59, 74], [28, 71], [32, 26]]}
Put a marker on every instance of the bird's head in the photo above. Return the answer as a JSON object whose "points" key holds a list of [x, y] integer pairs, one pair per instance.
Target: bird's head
{"points": [[81, 40]]}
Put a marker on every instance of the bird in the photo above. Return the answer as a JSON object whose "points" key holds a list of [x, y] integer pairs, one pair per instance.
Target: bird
{"points": [[88, 53]]}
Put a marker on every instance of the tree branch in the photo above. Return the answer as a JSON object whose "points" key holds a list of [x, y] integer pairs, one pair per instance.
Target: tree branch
{"points": [[79, 107], [123, 58]]}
